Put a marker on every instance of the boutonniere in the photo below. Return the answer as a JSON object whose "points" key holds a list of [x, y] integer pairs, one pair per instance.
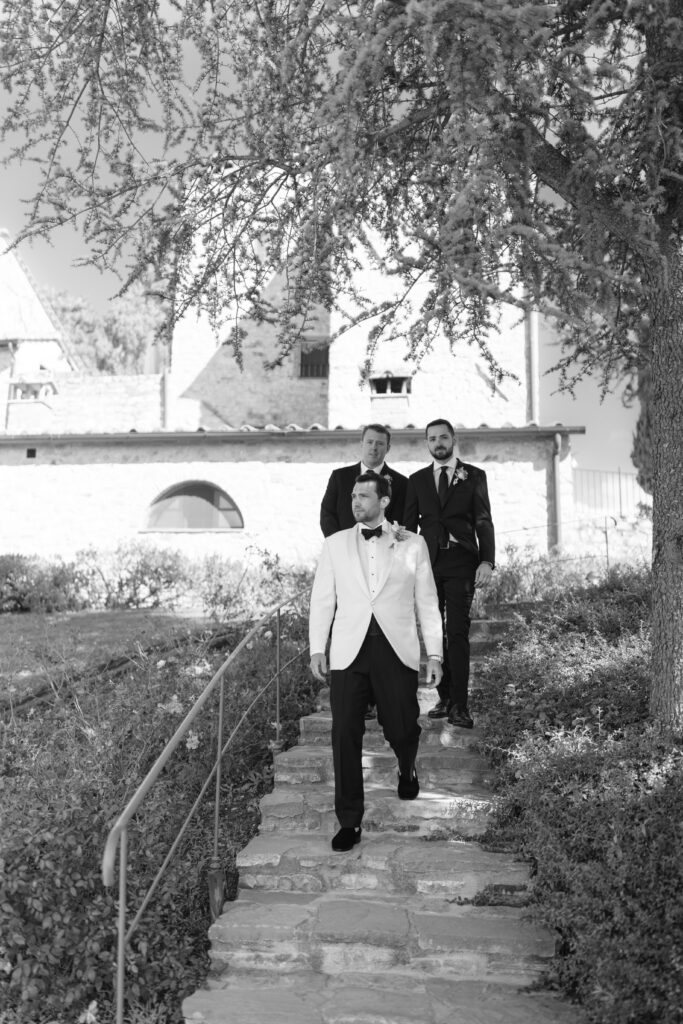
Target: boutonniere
{"points": [[460, 473], [398, 533]]}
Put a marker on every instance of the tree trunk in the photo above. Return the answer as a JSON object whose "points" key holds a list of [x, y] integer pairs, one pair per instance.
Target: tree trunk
{"points": [[666, 305]]}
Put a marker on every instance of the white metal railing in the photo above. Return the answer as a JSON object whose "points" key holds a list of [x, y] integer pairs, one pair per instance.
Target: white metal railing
{"points": [[608, 493]]}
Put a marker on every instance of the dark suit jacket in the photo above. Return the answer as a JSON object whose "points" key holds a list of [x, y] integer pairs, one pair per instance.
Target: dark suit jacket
{"points": [[466, 515], [335, 510]]}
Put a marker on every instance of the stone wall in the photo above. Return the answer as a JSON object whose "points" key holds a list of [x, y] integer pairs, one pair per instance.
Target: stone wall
{"points": [[230, 393], [73, 493], [455, 384]]}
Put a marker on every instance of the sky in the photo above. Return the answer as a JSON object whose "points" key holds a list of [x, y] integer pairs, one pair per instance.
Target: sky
{"points": [[609, 425]]}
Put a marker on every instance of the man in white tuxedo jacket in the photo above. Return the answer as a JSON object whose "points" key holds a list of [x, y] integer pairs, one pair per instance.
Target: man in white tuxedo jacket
{"points": [[369, 582]]}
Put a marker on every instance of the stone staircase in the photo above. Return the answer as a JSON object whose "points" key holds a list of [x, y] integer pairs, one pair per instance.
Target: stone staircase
{"points": [[418, 924]]}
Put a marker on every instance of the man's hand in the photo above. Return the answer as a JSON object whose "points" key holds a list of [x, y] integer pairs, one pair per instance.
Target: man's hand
{"points": [[319, 667], [434, 670], [483, 574]]}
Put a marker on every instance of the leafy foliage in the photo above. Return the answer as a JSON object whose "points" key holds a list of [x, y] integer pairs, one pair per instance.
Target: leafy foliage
{"points": [[642, 453], [229, 589], [592, 795], [28, 583], [483, 152], [68, 772], [522, 575], [119, 340], [136, 575]]}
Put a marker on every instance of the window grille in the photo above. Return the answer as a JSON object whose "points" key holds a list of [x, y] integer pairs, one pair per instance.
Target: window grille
{"points": [[314, 361], [194, 505]]}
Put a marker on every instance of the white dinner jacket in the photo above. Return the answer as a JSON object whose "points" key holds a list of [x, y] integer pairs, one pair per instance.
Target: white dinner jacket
{"points": [[341, 595]]}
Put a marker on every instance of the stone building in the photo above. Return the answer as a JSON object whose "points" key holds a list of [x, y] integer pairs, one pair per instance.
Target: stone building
{"points": [[211, 456]]}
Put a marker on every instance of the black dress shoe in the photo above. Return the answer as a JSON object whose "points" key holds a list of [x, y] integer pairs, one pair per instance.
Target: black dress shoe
{"points": [[440, 710], [346, 839], [460, 717], [408, 786]]}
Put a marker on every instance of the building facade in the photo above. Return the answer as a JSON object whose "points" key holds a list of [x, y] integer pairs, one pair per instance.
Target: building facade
{"points": [[213, 456]]}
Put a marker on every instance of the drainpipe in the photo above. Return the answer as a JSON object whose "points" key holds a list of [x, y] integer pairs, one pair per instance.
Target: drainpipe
{"points": [[165, 399], [557, 509], [531, 344]]}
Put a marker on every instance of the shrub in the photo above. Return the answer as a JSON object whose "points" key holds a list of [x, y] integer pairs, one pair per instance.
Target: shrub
{"points": [[37, 585], [592, 796], [231, 590], [68, 772], [521, 575], [599, 817], [140, 576], [135, 576]]}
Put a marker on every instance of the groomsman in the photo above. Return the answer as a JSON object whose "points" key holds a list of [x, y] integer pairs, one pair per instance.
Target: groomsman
{"points": [[335, 510], [369, 581], [448, 502]]}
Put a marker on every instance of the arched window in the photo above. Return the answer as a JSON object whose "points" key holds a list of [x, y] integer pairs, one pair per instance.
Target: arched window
{"points": [[194, 505]]}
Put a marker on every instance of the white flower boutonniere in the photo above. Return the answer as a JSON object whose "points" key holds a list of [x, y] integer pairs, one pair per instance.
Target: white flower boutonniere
{"points": [[460, 474], [398, 532]]}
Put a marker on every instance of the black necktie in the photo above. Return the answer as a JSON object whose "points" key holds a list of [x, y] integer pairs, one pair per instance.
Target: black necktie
{"points": [[377, 532], [443, 485]]}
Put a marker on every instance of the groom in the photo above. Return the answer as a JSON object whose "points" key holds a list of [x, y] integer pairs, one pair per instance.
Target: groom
{"points": [[368, 582]]}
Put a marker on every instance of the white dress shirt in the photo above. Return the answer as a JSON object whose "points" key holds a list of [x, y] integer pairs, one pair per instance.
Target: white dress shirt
{"points": [[366, 469], [373, 554], [450, 466]]}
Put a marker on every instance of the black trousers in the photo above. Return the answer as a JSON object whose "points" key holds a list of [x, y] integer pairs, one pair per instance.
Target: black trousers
{"points": [[376, 674], [455, 589]]}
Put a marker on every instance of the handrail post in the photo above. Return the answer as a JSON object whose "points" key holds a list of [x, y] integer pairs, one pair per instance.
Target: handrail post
{"points": [[216, 878], [121, 941], [277, 680]]}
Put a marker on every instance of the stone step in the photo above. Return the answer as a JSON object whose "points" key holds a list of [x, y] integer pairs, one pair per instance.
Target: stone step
{"points": [[309, 997], [390, 863], [314, 764], [414, 936], [454, 809], [316, 729]]}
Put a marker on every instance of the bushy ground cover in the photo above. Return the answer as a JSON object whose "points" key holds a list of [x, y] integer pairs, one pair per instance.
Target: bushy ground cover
{"points": [[592, 794], [137, 575], [588, 791], [68, 768]]}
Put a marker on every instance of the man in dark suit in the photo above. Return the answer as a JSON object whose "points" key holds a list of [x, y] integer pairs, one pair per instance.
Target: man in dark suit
{"points": [[449, 502], [335, 510]]}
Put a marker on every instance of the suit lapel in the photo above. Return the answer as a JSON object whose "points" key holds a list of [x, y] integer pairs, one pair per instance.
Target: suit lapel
{"points": [[455, 482], [430, 483]]}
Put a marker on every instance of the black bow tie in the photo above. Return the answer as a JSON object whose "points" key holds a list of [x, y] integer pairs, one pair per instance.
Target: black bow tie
{"points": [[377, 532]]}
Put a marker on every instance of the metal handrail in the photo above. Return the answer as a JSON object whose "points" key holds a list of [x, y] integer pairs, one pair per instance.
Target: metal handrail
{"points": [[118, 834]]}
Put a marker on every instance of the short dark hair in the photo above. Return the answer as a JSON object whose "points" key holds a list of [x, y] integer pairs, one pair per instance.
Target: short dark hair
{"points": [[382, 482], [439, 423], [379, 428]]}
